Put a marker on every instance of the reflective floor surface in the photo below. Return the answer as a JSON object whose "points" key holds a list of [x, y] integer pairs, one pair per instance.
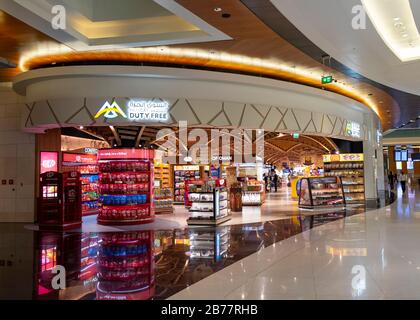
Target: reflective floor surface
{"points": [[373, 255], [147, 263]]}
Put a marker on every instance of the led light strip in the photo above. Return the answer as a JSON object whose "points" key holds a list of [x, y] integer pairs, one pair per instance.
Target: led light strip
{"points": [[395, 23], [199, 56]]}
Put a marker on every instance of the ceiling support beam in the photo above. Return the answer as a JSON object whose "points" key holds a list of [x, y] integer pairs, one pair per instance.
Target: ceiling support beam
{"points": [[139, 135]]}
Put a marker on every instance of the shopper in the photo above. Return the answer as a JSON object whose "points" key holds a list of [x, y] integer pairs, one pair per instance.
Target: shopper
{"points": [[391, 180], [403, 181], [275, 180], [266, 181]]}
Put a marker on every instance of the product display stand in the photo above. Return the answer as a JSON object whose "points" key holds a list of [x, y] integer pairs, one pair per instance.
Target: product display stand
{"points": [[163, 174], [125, 266], [321, 192], [86, 164], [209, 207], [253, 194], [126, 186], [163, 201], [350, 168], [181, 174]]}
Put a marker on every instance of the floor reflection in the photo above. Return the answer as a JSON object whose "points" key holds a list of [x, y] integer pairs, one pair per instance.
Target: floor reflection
{"points": [[140, 265]]}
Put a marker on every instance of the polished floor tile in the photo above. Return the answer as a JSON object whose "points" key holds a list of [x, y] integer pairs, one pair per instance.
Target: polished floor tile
{"points": [[372, 255]]}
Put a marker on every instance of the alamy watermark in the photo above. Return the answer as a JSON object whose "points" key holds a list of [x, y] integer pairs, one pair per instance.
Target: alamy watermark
{"points": [[59, 19], [359, 19]]}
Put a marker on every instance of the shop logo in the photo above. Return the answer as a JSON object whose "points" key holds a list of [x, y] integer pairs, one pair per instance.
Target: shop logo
{"points": [[110, 111], [48, 164]]}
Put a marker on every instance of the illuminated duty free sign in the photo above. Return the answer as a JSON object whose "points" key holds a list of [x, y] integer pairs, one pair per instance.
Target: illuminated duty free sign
{"points": [[144, 110]]}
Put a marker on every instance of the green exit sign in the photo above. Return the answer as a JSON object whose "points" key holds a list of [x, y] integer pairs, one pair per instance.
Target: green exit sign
{"points": [[296, 136], [326, 79]]}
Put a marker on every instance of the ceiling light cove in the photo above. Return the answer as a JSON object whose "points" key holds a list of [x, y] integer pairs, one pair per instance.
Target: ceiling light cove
{"points": [[185, 56], [395, 23]]}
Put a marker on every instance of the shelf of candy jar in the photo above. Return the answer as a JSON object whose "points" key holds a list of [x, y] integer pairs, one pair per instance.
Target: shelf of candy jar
{"points": [[125, 265], [163, 200], [210, 244]]}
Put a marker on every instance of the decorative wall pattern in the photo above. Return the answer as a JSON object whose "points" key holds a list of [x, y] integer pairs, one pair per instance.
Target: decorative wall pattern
{"points": [[42, 115]]}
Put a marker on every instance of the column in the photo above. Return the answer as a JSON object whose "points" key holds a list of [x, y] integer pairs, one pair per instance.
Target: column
{"points": [[373, 160]]}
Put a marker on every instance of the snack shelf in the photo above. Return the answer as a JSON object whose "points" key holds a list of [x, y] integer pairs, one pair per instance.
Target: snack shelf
{"points": [[126, 186], [348, 167], [321, 191]]}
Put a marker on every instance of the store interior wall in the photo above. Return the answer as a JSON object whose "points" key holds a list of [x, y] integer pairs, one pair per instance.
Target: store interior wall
{"points": [[17, 161]]}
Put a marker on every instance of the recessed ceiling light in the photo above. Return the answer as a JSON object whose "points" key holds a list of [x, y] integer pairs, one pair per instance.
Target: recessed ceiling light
{"points": [[81, 127], [217, 9], [396, 19], [405, 35], [381, 102], [412, 121]]}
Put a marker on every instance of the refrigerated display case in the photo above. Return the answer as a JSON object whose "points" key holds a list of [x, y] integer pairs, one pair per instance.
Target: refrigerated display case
{"points": [[321, 192], [126, 186]]}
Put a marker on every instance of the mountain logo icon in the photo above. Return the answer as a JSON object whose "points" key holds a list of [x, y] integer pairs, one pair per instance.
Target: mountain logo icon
{"points": [[110, 111]]}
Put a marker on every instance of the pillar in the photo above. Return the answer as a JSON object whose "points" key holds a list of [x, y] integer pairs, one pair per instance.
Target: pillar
{"points": [[373, 160]]}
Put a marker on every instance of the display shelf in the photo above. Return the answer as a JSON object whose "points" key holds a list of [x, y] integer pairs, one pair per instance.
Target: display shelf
{"points": [[349, 167], [206, 204], [126, 186], [163, 174], [163, 200], [181, 174], [321, 192]]}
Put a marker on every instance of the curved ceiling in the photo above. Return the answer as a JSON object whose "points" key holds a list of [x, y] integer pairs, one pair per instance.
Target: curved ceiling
{"points": [[372, 51], [256, 48]]}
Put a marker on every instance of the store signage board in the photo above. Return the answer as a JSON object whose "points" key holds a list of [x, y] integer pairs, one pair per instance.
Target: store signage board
{"points": [[344, 157], [136, 110], [187, 168], [148, 111], [353, 130], [79, 158], [351, 157], [90, 150], [109, 154], [48, 161]]}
